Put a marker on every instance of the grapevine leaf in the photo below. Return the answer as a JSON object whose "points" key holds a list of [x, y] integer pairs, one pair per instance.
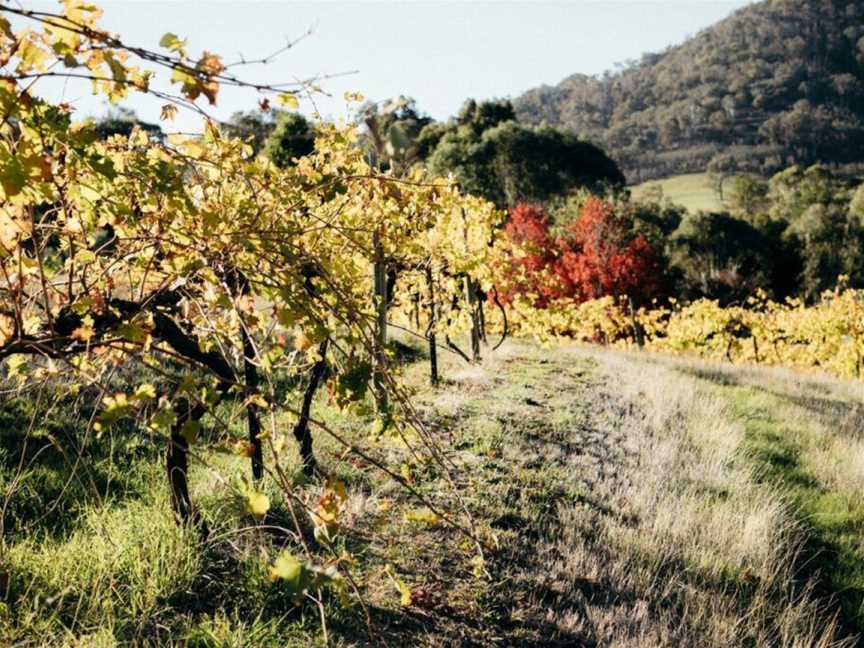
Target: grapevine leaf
{"points": [[257, 504], [172, 42], [288, 100]]}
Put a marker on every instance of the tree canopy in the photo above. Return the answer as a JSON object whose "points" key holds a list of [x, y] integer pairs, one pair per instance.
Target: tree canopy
{"points": [[495, 156]]}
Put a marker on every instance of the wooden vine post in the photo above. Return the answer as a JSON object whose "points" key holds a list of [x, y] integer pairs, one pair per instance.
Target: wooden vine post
{"points": [[638, 331], [430, 329], [471, 297], [470, 289], [380, 294]]}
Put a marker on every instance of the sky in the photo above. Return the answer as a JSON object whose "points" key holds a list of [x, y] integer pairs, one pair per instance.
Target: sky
{"points": [[439, 53]]}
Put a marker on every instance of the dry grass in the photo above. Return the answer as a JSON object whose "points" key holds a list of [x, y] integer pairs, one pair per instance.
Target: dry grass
{"points": [[680, 545]]}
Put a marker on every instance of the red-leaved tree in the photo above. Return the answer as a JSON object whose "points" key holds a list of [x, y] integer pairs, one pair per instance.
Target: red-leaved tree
{"points": [[534, 272], [599, 254], [605, 257]]}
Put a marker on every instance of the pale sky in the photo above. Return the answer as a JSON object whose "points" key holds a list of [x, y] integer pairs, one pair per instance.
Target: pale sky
{"points": [[440, 53]]}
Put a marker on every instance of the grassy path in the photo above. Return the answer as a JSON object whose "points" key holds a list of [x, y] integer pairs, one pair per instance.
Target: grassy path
{"points": [[618, 492]]}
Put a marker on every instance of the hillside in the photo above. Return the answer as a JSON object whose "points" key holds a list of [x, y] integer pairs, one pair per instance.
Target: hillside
{"points": [[693, 191], [776, 83], [629, 500]]}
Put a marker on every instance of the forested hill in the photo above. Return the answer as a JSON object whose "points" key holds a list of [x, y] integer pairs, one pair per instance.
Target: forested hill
{"points": [[775, 83]]}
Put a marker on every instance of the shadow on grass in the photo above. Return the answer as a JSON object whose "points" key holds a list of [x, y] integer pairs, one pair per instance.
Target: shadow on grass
{"points": [[58, 470], [832, 556]]}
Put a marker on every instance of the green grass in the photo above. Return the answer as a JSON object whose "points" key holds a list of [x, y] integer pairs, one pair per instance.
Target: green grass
{"points": [[695, 191]]}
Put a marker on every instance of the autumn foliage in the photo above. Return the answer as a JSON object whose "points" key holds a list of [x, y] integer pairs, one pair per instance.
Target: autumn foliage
{"points": [[598, 254]]}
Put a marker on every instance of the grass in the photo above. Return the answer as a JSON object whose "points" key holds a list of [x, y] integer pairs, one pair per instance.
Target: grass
{"points": [[804, 440], [695, 191], [629, 500]]}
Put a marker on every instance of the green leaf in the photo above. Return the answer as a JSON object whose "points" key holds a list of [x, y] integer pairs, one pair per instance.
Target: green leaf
{"points": [[190, 431], [13, 177], [6, 28], [134, 333], [351, 385], [103, 166], [163, 419]]}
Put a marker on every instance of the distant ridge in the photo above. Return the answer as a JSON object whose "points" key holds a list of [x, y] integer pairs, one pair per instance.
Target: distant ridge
{"points": [[776, 83]]}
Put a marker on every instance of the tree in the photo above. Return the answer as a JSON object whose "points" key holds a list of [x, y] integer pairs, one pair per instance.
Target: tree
{"points": [[253, 126], [720, 256], [605, 257], [394, 133], [748, 195], [780, 82], [292, 138], [598, 254], [831, 240], [533, 270], [507, 162], [480, 117], [122, 121]]}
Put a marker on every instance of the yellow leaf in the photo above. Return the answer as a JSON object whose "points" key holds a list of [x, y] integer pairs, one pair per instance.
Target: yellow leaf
{"points": [[65, 40], [406, 473], [12, 229], [377, 428], [424, 516], [405, 598], [72, 226], [85, 332], [286, 567], [243, 448], [289, 100], [31, 57], [279, 444], [7, 328], [210, 64], [77, 11], [258, 399], [478, 565], [85, 257], [301, 341], [172, 42], [145, 391], [257, 504]]}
